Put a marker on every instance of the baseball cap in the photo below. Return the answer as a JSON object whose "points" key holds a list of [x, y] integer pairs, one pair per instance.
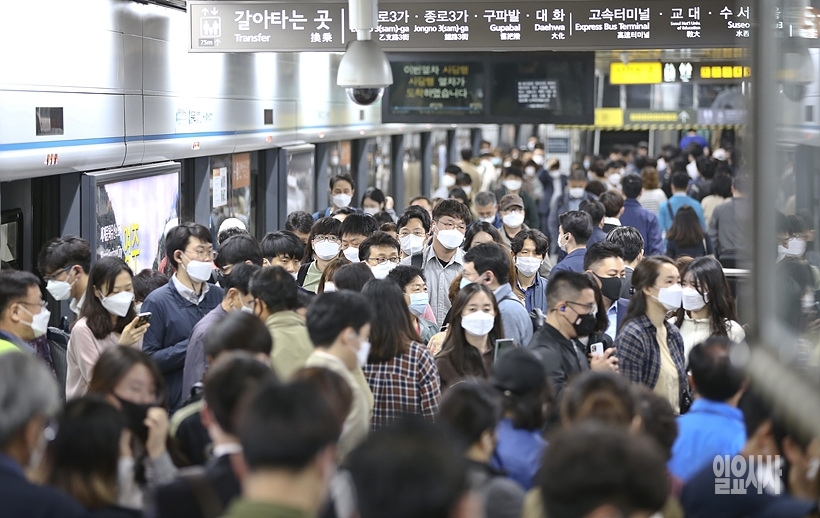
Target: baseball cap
{"points": [[509, 201], [518, 372]]}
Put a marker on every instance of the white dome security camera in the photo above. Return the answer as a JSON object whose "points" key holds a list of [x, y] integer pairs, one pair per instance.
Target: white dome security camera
{"points": [[364, 71]]}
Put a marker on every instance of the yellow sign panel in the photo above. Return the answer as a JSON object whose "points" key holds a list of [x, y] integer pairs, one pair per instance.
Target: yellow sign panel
{"points": [[609, 117], [724, 72], [639, 73]]}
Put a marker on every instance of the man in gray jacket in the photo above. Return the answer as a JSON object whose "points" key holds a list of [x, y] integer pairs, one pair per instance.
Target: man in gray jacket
{"points": [[727, 226], [489, 264]]}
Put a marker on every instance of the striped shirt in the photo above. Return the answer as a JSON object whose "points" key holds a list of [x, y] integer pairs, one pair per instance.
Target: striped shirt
{"points": [[407, 384]]}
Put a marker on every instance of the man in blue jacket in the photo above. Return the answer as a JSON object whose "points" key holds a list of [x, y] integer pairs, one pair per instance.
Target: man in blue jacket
{"points": [[645, 221], [667, 210], [177, 307], [574, 230], [489, 264]]}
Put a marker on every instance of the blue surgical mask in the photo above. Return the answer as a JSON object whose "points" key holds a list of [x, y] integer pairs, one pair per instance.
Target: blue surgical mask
{"points": [[464, 282], [418, 303]]}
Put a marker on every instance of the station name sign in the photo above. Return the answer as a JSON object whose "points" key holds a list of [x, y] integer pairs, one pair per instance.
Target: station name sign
{"points": [[252, 26]]}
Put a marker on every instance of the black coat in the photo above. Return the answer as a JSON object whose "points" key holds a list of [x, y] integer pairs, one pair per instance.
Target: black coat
{"points": [[178, 499], [19, 498]]}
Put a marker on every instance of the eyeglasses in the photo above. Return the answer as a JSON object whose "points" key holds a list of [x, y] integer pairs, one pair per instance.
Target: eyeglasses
{"points": [[592, 309], [43, 304], [203, 253], [382, 260], [419, 232], [446, 225], [331, 239], [57, 273]]}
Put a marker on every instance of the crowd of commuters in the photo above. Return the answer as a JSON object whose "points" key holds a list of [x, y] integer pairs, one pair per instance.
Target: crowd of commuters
{"points": [[530, 343]]}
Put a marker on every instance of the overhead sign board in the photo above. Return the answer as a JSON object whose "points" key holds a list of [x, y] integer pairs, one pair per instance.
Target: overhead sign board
{"points": [[637, 73], [253, 26]]}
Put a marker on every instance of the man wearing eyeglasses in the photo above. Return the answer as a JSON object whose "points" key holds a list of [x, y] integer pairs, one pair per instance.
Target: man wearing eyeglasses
{"points": [[64, 263], [23, 313], [380, 252], [179, 305], [572, 314]]}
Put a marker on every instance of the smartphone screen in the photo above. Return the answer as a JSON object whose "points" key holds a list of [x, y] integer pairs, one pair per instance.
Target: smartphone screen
{"points": [[502, 345]]}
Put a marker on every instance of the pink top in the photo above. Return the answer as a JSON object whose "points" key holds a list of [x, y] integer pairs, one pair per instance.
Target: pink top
{"points": [[83, 352]]}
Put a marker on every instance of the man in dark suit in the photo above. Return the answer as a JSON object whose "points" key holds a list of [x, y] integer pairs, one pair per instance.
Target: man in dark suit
{"points": [[631, 242], [202, 492], [30, 398]]}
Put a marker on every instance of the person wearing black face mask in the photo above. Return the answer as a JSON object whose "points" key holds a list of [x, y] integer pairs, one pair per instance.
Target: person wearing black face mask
{"points": [[605, 261], [572, 313]]}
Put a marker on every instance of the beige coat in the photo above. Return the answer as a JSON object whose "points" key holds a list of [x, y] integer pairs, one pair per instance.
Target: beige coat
{"points": [[291, 343]]}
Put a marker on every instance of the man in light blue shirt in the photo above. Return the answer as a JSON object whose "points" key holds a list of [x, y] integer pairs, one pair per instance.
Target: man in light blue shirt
{"points": [[668, 209], [714, 425]]}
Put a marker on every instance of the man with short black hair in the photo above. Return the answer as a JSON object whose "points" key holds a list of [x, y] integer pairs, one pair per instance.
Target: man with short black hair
{"points": [[489, 264], [380, 252], [443, 259], [570, 200], [339, 327], [234, 376], [64, 263], [529, 251], [606, 262], [283, 248], [275, 301], [179, 305], [29, 398], [645, 221], [299, 222], [596, 470], [713, 426], [574, 231], [596, 212], [412, 470], [237, 296], [613, 203], [288, 435], [668, 209], [572, 309], [241, 248], [341, 191], [355, 229], [631, 243], [23, 313], [413, 228], [727, 227]]}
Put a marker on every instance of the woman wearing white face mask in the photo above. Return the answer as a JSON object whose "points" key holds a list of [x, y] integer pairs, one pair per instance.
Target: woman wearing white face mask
{"points": [[108, 319], [475, 325], [650, 349], [708, 308], [374, 201], [400, 370]]}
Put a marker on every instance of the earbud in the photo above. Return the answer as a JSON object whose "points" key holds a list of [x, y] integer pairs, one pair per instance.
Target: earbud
{"points": [[564, 308]]}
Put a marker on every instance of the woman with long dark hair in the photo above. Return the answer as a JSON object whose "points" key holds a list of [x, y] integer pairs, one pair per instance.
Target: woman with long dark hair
{"points": [[480, 233], [400, 370], [131, 381], [686, 237], [108, 319], [708, 307], [324, 244], [650, 349], [475, 325], [82, 459]]}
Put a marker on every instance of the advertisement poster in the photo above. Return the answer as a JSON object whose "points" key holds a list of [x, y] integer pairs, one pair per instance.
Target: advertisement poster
{"points": [[131, 218]]}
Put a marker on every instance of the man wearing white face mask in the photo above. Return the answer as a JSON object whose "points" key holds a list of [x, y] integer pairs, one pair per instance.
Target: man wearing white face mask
{"points": [[342, 191], [511, 209], [571, 199], [486, 208], [443, 259], [179, 305], [339, 327], [448, 181], [513, 183], [237, 298], [355, 229], [64, 264], [381, 253], [23, 313], [413, 227], [529, 249]]}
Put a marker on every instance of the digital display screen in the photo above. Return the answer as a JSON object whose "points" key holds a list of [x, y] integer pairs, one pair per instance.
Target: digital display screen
{"points": [[131, 218], [436, 90], [557, 88]]}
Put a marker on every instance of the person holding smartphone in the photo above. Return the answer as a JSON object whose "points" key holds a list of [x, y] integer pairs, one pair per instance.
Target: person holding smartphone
{"points": [[469, 346], [108, 318]]}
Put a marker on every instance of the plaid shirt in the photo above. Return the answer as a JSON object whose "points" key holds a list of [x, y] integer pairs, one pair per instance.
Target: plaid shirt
{"points": [[408, 384], [639, 355]]}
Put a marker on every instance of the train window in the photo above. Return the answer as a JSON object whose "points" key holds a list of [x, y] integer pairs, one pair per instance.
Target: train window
{"points": [[301, 160], [11, 239], [49, 121], [232, 179], [411, 168], [378, 172]]}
